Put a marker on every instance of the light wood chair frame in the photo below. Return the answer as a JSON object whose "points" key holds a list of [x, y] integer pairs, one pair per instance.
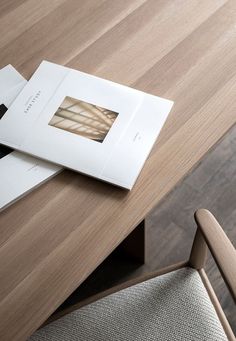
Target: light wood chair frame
{"points": [[209, 235]]}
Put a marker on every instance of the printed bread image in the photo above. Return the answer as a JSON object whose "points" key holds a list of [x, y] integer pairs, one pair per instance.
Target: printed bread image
{"points": [[84, 119]]}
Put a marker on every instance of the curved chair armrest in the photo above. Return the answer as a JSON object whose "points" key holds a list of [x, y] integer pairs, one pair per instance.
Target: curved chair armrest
{"points": [[220, 246]]}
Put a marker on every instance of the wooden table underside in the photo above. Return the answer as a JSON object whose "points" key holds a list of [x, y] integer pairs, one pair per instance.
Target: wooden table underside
{"points": [[184, 50]]}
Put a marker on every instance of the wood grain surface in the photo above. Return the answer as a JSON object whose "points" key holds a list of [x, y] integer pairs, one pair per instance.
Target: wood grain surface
{"points": [[184, 50]]}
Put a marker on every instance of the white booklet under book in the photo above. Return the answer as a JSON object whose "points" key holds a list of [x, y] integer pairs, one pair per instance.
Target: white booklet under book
{"points": [[19, 173], [85, 123]]}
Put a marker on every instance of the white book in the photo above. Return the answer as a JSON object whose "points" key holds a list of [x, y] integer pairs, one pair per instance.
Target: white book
{"points": [[19, 173], [88, 124]]}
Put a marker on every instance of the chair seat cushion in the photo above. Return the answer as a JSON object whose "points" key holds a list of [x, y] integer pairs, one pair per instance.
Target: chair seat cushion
{"points": [[174, 306]]}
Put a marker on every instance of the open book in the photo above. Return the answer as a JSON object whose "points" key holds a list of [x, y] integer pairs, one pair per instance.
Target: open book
{"points": [[19, 173], [85, 123]]}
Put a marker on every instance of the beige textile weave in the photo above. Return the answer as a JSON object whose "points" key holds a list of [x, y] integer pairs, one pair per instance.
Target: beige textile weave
{"points": [[172, 307]]}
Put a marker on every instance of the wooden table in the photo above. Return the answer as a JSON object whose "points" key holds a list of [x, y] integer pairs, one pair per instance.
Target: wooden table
{"points": [[183, 50]]}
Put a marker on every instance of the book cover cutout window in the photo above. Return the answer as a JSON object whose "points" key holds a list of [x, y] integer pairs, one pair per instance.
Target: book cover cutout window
{"points": [[84, 119]]}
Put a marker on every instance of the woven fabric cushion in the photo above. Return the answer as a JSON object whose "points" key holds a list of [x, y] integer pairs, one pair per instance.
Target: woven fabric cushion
{"points": [[174, 306]]}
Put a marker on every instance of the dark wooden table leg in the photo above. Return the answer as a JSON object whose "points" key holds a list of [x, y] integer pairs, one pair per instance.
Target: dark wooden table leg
{"points": [[133, 247]]}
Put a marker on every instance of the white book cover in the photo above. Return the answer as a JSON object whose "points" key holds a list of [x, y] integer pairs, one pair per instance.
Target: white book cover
{"points": [[88, 124], [19, 173]]}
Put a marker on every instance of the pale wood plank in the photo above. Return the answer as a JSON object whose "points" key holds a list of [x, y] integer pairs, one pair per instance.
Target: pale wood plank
{"points": [[59, 40], [147, 41], [8, 5], [46, 238], [23, 17]]}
